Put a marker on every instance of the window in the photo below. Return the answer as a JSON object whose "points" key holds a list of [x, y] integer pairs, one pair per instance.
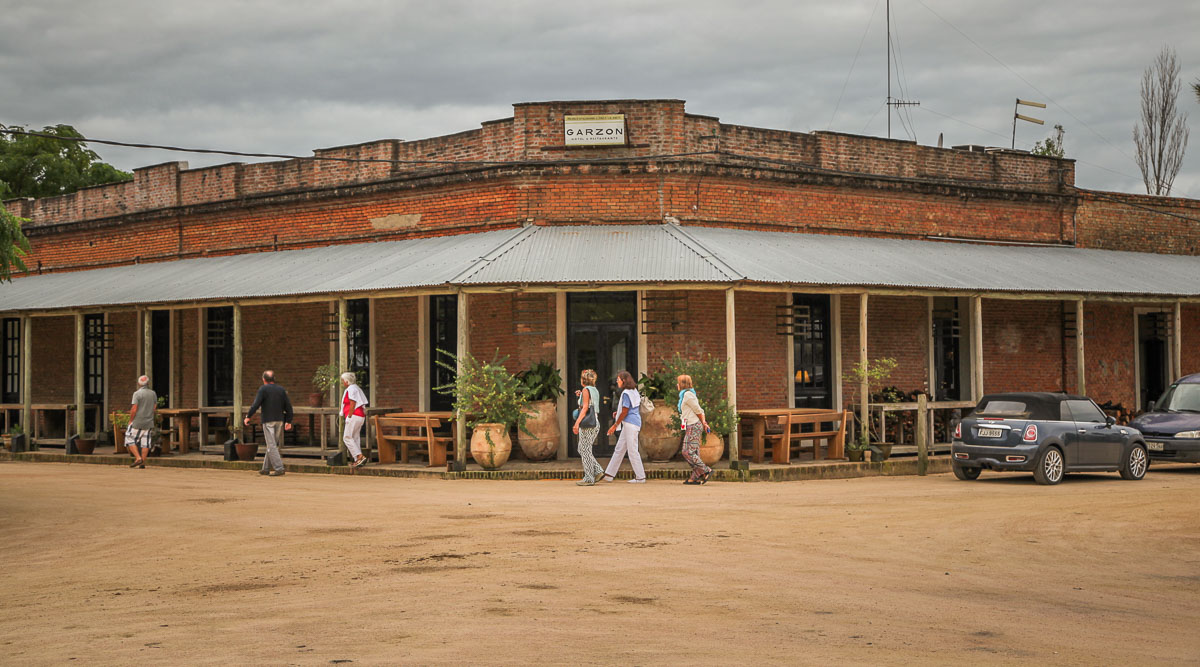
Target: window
{"points": [[11, 358], [1087, 412], [443, 335], [1013, 409], [358, 341], [219, 344], [93, 359], [949, 368], [811, 350]]}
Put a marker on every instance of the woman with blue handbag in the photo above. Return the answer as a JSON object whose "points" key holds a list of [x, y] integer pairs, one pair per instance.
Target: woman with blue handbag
{"points": [[691, 419], [587, 426]]}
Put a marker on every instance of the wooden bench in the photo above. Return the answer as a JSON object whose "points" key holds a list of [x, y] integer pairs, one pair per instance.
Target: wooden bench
{"points": [[411, 435], [792, 439]]}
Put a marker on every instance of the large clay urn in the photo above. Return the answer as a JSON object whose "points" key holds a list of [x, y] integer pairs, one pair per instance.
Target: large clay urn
{"points": [[490, 445], [657, 440], [542, 421], [711, 448]]}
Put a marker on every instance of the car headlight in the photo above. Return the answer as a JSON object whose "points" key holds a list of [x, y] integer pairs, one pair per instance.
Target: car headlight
{"points": [[1188, 434]]}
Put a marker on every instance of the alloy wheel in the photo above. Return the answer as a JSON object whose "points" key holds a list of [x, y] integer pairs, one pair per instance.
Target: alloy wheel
{"points": [[1052, 465]]}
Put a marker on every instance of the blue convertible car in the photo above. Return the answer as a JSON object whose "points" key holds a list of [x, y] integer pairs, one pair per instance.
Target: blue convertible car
{"points": [[1046, 434]]}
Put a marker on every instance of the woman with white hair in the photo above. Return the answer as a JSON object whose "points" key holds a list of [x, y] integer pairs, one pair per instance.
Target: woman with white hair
{"points": [[354, 404]]}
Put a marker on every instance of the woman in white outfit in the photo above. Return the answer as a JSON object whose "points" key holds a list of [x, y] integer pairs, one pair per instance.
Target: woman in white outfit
{"points": [[629, 418], [354, 409]]}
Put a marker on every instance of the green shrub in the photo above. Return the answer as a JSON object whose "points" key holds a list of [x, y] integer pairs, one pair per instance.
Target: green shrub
{"points": [[710, 382], [542, 382], [485, 392]]}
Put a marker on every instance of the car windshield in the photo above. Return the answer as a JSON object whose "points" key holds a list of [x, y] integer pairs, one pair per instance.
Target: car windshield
{"points": [[1008, 409], [1180, 398]]}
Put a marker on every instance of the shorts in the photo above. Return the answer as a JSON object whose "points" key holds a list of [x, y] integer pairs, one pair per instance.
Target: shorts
{"points": [[140, 438]]}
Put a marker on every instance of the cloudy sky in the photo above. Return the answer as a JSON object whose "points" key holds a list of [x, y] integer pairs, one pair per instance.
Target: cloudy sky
{"points": [[287, 77]]}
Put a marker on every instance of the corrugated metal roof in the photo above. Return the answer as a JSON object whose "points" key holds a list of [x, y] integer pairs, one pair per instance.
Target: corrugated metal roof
{"points": [[615, 254], [326, 270], [782, 257]]}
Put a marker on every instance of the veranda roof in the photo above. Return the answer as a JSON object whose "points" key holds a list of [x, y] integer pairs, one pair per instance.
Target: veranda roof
{"points": [[615, 254]]}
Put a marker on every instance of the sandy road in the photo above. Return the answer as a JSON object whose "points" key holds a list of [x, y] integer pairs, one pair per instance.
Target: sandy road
{"points": [[106, 565]]}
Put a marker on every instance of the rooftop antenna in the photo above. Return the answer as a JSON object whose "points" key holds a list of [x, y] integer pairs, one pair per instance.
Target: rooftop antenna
{"points": [[1017, 116], [893, 103]]}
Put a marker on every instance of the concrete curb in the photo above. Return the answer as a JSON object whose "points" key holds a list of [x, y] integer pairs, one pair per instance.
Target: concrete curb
{"points": [[833, 470]]}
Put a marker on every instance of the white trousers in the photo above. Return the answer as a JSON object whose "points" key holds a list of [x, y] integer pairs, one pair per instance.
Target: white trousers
{"points": [[350, 435], [627, 444]]}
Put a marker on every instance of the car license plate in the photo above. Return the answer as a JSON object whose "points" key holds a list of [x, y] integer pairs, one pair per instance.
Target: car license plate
{"points": [[1154, 446], [991, 432]]}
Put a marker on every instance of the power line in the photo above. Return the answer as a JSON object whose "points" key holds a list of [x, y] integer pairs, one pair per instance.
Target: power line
{"points": [[853, 63]]}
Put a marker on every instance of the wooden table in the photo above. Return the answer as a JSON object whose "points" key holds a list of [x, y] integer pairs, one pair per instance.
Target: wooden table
{"points": [[181, 427], [758, 422], [66, 408], [445, 417]]}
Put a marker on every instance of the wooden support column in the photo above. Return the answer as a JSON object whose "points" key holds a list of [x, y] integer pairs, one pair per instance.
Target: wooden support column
{"points": [[1177, 341], [864, 387], [140, 363], [80, 413], [731, 355], [148, 368], [27, 376], [172, 359], [463, 347], [343, 362], [424, 376], [202, 365], [560, 358], [1080, 368], [930, 347], [237, 371], [923, 434], [976, 348]]}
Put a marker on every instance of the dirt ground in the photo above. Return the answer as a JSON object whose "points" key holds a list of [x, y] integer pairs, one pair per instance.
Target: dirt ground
{"points": [[107, 565]]}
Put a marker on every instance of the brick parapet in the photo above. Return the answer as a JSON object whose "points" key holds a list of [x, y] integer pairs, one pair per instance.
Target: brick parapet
{"points": [[1140, 223]]}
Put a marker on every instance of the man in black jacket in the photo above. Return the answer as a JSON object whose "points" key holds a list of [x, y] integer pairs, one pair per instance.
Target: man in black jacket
{"points": [[276, 418]]}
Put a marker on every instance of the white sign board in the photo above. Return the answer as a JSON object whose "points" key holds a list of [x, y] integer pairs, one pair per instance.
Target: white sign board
{"points": [[595, 130]]}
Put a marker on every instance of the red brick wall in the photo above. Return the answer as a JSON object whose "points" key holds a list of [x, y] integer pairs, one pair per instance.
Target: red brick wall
{"points": [[122, 367], [397, 370], [187, 358], [1190, 342], [762, 370], [54, 359], [1022, 346], [1109, 350], [896, 329], [288, 339], [526, 339], [702, 333], [1119, 221]]}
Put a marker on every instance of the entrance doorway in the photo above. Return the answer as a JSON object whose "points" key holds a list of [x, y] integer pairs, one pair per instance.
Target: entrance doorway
{"points": [[1153, 333], [602, 336], [811, 336]]}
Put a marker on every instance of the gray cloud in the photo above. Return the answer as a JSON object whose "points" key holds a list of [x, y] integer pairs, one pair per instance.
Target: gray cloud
{"points": [[293, 76]]}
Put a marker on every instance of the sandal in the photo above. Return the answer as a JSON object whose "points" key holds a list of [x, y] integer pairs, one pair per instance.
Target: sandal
{"points": [[692, 481], [704, 477]]}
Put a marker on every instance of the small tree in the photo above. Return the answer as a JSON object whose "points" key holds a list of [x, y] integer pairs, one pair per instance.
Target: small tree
{"points": [[1162, 136], [875, 372], [13, 244], [1051, 146], [485, 392], [710, 380]]}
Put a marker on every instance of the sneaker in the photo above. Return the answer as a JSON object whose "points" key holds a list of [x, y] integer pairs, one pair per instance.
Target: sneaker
{"points": [[608, 478], [135, 463], [360, 462], [585, 482], [264, 471], [637, 481], [276, 473]]}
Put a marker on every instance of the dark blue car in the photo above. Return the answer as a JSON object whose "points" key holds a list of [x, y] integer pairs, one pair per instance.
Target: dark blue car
{"points": [[1172, 427], [1046, 434]]}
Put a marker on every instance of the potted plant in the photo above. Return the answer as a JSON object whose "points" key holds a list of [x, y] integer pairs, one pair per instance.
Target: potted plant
{"points": [[325, 378], [875, 372], [710, 382], [659, 440], [491, 400], [120, 422], [542, 384]]}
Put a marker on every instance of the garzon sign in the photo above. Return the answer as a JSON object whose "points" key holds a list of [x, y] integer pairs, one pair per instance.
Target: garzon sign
{"points": [[594, 130]]}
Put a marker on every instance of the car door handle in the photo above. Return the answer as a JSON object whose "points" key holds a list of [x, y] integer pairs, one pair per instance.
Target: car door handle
{"points": [[1083, 430]]}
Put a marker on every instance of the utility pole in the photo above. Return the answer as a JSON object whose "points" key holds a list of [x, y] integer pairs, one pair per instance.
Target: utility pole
{"points": [[892, 103]]}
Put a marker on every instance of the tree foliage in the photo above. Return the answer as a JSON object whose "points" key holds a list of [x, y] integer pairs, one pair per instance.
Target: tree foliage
{"points": [[1051, 146], [1162, 135], [42, 166]]}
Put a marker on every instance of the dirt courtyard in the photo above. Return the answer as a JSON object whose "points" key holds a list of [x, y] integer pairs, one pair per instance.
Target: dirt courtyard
{"points": [[107, 565]]}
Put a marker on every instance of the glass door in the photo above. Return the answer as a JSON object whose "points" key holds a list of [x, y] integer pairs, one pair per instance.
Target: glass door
{"points": [[602, 336]]}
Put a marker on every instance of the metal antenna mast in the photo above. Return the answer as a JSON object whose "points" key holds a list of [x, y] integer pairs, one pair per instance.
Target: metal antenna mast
{"points": [[892, 103]]}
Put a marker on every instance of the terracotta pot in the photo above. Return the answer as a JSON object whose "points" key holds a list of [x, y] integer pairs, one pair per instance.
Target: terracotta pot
{"points": [[712, 446], [118, 440], [490, 445], [316, 400], [85, 446], [542, 422], [657, 440], [246, 452]]}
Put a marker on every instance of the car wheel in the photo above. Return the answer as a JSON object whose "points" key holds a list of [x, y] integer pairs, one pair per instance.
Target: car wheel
{"points": [[1135, 464], [1050, 467], [966, 474]]}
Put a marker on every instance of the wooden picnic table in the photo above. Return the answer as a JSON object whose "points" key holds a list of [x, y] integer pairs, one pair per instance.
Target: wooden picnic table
{"points": [[66, 408], [758, 419], [326, 416], [180, 428]]}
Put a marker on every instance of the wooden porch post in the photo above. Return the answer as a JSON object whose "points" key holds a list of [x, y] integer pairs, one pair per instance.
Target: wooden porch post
{"points": [[864, 388], [976, 348], [1080, 369], [424, 377], [141, 342], [148, 368], [237, 370], [27, 377], [343, 362], [463, 347], [731, 378], [560, 358], [1177, 341], [80, 413]]}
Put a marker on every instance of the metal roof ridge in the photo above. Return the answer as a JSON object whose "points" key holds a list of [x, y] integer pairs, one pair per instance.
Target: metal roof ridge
{"points": [[692, 243], [492, 255]]}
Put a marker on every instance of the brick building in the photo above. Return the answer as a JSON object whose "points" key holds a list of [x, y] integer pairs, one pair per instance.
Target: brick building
{"points": [[976, 270]]}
